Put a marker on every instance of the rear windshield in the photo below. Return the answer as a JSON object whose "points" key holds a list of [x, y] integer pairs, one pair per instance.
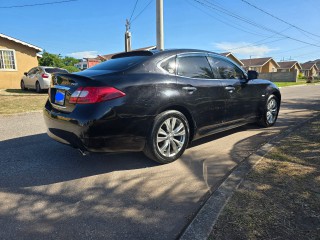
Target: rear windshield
{"points": [[55, 70], [119, 64]]}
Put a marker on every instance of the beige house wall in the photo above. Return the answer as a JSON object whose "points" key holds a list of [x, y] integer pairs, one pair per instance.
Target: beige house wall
{"points": [[269, 67], [313, 71], [26, 58], [295, 67]]}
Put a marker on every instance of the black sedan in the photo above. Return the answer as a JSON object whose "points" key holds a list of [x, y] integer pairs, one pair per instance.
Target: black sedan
{"points": [[156, 102]]}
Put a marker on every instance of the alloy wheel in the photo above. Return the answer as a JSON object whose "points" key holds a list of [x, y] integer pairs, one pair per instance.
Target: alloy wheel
{"points": [[171, 137], [272, 111]]}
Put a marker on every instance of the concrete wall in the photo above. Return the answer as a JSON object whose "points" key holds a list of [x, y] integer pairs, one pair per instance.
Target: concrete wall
{"points": [[26, 58], [280, 76]]}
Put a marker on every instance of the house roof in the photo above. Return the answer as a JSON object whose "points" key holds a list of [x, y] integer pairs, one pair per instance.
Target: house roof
{"points": [[109, 56], [21, 42], [309, 65], [317, 62], [288, 64], [92, 59], [258, 62], [227, 54]]}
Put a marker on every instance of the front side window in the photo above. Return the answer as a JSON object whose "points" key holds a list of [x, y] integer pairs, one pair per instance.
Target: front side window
{"points": [[7, 60], [194, 67], [224, 69]]}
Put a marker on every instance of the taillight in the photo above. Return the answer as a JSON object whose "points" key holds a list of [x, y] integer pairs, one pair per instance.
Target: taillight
{"points": [[95, 94], [44, 75]]}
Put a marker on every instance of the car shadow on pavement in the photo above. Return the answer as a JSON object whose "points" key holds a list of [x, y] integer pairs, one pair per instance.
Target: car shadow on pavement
{"points": [[38, 160]]}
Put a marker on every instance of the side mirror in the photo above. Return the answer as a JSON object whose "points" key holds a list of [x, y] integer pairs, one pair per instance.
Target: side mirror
{"points": [[25, 73], [252, 75]]}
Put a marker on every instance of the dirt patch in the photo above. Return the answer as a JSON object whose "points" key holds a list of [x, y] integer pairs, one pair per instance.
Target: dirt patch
{"points": [[280, 197]]}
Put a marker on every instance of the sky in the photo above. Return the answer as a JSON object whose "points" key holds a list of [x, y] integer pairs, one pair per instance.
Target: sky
{"points": [[86, 28]]}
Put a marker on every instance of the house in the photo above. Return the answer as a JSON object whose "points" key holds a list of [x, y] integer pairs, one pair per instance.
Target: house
{"points": [[261, 65], [289, 66], [309, 69], [232, 57], [87, 63], [317, 62], [16, 57]]}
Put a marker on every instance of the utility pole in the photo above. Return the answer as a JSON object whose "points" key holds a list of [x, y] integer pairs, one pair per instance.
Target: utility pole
{"points": [[127, 37], [159, 10]]}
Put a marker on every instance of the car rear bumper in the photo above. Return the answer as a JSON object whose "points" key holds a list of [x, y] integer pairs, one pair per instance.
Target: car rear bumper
{"points": [[99, 135]]}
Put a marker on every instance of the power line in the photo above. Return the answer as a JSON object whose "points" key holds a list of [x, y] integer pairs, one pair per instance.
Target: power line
{"points": [[39, 4], [142, 11], [254, 44], [226, 23], [229, 13], [134, 8], [281, 20]]}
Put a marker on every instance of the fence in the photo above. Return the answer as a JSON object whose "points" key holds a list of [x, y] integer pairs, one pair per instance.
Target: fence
{"points": [[280, 76]]}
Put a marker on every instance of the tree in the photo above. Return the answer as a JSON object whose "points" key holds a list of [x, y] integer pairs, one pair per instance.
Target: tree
{"points": [[71, 69], [56, 60], [70, 61]]}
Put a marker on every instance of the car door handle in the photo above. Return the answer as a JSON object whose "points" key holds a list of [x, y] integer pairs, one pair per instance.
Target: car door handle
{"points": [[190, 89], [229, 88]]}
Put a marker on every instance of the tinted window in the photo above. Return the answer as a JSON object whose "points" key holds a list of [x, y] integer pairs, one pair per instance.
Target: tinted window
{"points": [[194, 67], [119, 64], [225, 70], [32, 71], [169, 65], [55, 70]]}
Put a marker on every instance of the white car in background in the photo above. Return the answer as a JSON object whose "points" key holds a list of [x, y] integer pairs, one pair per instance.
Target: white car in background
{"points": [[39, 78]]}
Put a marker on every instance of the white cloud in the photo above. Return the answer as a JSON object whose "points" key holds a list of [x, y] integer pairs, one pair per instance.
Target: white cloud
{"points": [[243, 48], [84, 54]]}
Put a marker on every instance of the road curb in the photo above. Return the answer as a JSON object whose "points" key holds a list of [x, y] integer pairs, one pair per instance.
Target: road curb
{"points": [[300, 85], [202, 225]]}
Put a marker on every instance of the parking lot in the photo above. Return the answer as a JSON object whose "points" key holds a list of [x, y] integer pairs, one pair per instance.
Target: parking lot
{"points": [[50, 191]]}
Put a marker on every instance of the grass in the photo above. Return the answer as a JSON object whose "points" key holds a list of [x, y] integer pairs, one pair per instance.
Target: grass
{"points": [[280, 197], [299, 82], [18, 101]]}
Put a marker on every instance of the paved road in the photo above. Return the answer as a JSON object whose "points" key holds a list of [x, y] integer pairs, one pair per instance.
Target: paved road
{"points": [[49, 191]]}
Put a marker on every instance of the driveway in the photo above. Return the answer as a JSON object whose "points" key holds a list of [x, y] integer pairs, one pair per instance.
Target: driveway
{"points": [[50, 191]]}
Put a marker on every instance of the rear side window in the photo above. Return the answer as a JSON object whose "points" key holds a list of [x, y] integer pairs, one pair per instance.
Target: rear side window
{"points": [[55, 70], [119, 64], [32, 71], [169, 65], [194, 67], [225, 70]]}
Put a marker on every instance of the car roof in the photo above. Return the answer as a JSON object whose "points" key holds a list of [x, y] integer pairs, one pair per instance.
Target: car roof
{"points": [[158, 52]]}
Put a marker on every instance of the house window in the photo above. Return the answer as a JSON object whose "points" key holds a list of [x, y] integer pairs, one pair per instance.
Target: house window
{"points": [[7, 60]]}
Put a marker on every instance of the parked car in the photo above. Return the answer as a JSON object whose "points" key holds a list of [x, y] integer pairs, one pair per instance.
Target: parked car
{"points": [[39, 78], [156, 102]]}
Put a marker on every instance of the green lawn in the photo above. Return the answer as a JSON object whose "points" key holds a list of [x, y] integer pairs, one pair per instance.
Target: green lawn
{"points": [[299, 82]]}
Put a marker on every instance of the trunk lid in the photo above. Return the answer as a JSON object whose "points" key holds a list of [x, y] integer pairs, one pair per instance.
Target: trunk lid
{"points": [[63, 86]]}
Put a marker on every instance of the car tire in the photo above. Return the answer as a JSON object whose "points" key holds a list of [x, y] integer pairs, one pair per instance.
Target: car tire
{"points": [[270, 112], [22, 85], [38, 87], [168, 138]]}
